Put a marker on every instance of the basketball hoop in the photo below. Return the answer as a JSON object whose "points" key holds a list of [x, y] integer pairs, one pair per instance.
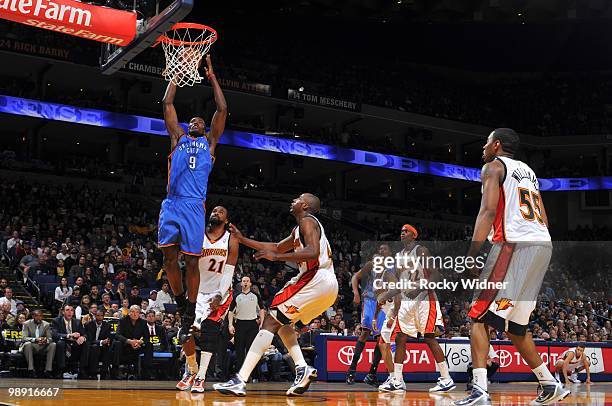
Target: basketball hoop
{"points": [[185, 44]]}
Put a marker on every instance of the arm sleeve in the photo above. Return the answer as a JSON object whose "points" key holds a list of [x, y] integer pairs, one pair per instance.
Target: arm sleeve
{"points": [[24, 333], [226, 280], [55, 331]]}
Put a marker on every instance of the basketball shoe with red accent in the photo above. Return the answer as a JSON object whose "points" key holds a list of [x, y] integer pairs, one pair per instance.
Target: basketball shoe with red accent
{"points": [[198, 385], [187, 382]]}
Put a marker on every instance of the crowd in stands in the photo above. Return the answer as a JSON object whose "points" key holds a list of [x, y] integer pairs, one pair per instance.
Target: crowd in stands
{"points": [[96, 252]]}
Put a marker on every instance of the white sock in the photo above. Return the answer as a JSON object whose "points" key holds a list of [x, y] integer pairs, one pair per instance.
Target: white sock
{"points": [[397, 371], [260, 345], [544, 375], [480, 378], [192, 364], [443, 368], [287, 336], [204, 361], [296, 355]]}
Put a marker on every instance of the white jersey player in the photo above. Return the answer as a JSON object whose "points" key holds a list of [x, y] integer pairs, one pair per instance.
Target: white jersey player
{"points": [[303, 298], [216, 265], [571, 362], [215, 279], [419, 313], [513, 217]]}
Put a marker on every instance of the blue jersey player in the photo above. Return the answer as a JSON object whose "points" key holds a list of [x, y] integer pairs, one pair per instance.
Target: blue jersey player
{"points": [[367, 275], [182, 216]]}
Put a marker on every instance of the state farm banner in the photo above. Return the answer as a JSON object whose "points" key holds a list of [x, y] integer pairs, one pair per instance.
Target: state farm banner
{"points": [[96, 23], [324, 101]]}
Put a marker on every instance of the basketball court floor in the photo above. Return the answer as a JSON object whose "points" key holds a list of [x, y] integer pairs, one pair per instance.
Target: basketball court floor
{"points": [[127, 393]]}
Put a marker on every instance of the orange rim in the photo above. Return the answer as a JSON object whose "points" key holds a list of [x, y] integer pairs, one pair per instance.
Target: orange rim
{"points": [[178, 26]]}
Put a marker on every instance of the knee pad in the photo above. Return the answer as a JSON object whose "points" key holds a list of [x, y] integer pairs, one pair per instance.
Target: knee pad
{"points": [[210, 336]]}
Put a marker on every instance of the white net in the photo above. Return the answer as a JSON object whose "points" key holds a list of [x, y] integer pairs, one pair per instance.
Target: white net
{"points": [[184, 49]]}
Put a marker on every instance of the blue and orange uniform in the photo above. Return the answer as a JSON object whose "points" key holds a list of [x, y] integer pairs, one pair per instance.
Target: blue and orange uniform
{"points": [[369, 302], [182, 219]]}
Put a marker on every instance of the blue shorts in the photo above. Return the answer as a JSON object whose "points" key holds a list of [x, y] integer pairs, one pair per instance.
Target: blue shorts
{"points": [[368, 311], [182, 222]]}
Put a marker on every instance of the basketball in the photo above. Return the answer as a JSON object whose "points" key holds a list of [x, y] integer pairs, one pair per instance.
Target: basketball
{"points": [[297, 203]]}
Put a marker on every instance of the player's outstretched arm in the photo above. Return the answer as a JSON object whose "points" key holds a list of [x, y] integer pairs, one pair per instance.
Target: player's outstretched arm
{"points": [[566, 362], [356, 278], [309, 228], [280, 247], [587, 366], [170, 118], [491, 176], [217, 125]]}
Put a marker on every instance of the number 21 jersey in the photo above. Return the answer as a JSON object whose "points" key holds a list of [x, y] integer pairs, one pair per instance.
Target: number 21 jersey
{"points": [[212, 263]]}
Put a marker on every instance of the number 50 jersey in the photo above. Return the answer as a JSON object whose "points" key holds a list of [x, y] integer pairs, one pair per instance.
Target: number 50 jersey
{"points": [[519, 216], [212, 264]]}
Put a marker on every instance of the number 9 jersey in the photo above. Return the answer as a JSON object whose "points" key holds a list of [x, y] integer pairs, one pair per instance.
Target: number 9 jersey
{"points": [[182, 218], [519, 216]]}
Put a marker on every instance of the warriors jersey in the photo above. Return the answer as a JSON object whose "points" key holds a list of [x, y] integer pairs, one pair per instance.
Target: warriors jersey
{"points": [[519, 210], [189, 165], [324, 262], [576, 362], [212, 264], [411, 266]]}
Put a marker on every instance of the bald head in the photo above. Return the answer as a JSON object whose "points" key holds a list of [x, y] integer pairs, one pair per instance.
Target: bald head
{"points": [[312, 203]]}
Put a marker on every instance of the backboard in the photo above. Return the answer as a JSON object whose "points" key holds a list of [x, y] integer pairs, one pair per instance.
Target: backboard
{"points": [[113, 57]]}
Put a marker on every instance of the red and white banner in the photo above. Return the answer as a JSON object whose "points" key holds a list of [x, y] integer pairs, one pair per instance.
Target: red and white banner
{"points": [[340, 355], [96, 23], [420, 359]]}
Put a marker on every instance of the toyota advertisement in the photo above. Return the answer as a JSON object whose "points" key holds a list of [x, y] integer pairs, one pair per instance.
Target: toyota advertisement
{"points": [[333, 361]]}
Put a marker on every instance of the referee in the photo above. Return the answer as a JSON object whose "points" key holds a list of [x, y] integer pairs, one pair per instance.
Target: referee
{"points": [[242, 319]]}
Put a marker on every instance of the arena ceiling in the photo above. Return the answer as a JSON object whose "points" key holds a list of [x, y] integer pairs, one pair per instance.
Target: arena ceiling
{"points": [[509, 11]]}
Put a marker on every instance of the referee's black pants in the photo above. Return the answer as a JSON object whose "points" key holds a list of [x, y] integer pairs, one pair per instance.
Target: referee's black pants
{"points": [[246, 330]]}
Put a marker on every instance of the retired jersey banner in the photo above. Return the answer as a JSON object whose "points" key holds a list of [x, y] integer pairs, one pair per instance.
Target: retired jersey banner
{"points": [[324, 101], [96, 23]]}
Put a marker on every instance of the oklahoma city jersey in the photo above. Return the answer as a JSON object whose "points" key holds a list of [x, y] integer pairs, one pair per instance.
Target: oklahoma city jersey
{"points": [[189, 165], [212, 264], [519, 210], [324, 262]]}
